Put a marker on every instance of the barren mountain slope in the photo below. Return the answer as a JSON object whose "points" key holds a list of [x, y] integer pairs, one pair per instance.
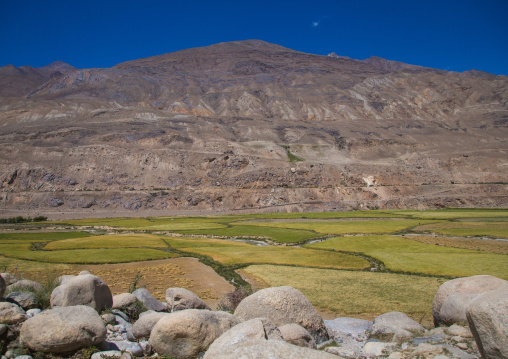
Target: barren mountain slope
{"points": [[210, 129]]}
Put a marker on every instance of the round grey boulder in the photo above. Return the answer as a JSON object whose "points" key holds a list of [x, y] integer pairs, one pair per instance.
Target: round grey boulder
{"points": [[253, 329], [149, 301], [186, 333], [487, 315], [452, 297], [11, 313], [144, 325], [398, 324], [123, 300], [63, 329], [297, 335], [8, 278], [283, 305], [86, 290], [24, 284], [262, 349], [181, 298], [25, 300]]}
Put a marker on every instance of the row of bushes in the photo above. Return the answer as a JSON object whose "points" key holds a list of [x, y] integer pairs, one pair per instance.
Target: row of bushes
{"points": [[20, 219]]}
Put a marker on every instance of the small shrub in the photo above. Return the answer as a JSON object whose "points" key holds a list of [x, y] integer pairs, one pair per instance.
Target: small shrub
{"points": [[230, 301], [134, 310], [134, 284]]}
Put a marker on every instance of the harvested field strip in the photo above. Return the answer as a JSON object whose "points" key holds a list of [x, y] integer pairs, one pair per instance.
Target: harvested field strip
{"points": [[281, 235], [467, 229], [453, 213], [231, 253], [486, 245], [343, 227], [41, 236], [82, 256], [162, 223], [108, 241], [405, 255], [360, 294]]}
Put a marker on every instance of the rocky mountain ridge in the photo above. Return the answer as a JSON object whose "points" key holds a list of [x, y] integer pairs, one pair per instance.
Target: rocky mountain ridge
{"points": [[224, 128]]}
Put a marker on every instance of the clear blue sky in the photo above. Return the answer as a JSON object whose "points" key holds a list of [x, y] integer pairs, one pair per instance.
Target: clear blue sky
{"points": [[454, 35]]}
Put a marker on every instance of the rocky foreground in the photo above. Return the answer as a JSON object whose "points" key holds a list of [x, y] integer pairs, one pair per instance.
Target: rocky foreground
{"points": [[85, 319]]}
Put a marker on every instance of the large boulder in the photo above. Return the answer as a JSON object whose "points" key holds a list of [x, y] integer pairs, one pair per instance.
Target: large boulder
{"points": [[454, 296], [397, 325], [283, 305], [253, 329], [297, 335], [123, 300], [84, 289], [262, 349], [342, 328], [25, 300], [23, 285], [149, 301], [144, 325], [11, 313], [487, 315], [64, 329], [181, 298], [8, 278], [186, 333]]}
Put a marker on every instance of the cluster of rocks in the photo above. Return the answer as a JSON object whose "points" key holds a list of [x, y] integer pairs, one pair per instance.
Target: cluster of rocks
{"points": [[470, 315]]}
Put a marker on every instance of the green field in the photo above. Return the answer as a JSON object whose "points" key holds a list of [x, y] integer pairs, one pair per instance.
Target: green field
{"points": [[344, 227], [467, 229], [405, 255], [281, 235]]}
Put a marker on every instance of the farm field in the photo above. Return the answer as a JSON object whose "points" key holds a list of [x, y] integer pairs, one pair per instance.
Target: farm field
{"points": [[362, 294], [405, 255], [350, 263]]}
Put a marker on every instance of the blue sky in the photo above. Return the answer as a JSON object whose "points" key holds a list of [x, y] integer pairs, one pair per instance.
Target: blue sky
{"points": [[453, 35]]}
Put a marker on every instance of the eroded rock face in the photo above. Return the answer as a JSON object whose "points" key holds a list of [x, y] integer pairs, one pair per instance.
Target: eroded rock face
{"points": [[283, 305], [487, 315], [250, 330], [63, 329], [186, 333], [85, 289], [453, 297], [181, 298]]}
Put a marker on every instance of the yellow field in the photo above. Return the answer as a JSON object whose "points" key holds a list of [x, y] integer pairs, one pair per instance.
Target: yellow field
{"points": [[108, 241], [229, 252], [361, 294]]}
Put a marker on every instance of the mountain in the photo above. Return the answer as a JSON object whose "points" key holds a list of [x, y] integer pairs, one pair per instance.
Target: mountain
{"points": [[19, 81], [221, 128]]}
